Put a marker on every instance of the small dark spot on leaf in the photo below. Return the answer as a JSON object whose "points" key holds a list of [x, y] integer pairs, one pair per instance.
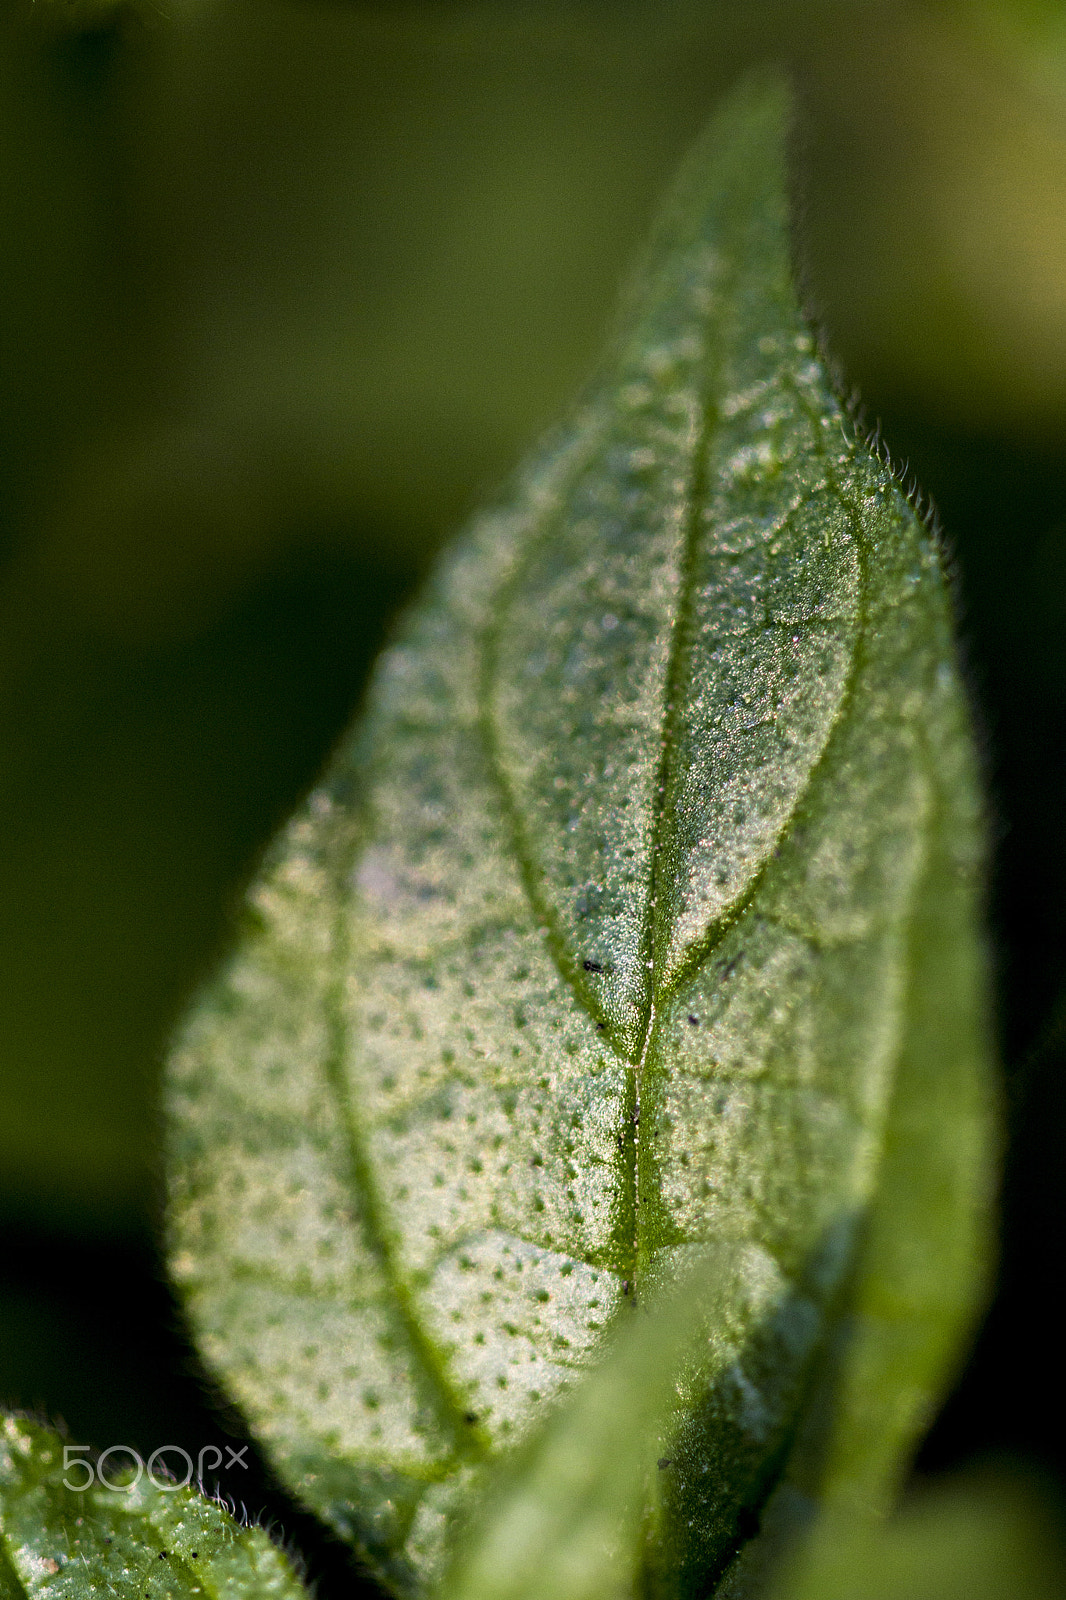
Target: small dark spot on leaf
{"points": [[592, 966], [695, 1021], [470, 1417], [665, 1461]]}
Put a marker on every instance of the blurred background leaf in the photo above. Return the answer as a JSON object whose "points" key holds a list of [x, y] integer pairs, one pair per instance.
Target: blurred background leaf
{"points": [[285, 288], [975, 1537]]}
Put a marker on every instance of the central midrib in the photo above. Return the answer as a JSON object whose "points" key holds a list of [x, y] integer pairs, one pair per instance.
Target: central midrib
{"points": [[564, 961], [664, 775], [567, 965], [673, 709], [427, 1357], [658, 993]]}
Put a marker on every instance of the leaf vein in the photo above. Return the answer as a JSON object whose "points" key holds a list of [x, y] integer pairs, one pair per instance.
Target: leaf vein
{"points": [[368, 1207]]}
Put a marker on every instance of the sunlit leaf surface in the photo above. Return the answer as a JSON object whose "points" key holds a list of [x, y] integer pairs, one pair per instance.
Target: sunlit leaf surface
{"points": [[563, 1519], [636, 918]]}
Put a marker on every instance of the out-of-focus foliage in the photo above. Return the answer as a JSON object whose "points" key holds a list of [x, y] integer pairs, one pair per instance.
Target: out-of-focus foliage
{"points": [[561, 1523], [979, 1538], [938, 236]]}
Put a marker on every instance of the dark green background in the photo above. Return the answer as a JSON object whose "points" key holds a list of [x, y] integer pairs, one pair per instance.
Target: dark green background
{"points": [[284, 289]]}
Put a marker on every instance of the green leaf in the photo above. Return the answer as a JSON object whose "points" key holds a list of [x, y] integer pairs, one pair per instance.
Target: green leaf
{"points": [[987, 1539], [564, 1521], [123, 1539], [638, 917]]}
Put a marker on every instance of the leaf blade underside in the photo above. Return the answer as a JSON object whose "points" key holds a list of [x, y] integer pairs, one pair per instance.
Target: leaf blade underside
{"points": [[593, 948]]}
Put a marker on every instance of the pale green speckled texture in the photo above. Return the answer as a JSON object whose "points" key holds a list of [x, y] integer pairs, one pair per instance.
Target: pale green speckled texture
{"points": [[597, 942]]}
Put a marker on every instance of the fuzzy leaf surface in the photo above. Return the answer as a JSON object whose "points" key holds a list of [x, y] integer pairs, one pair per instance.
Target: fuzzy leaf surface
{"points": [[126, 1542], [636, 918], [563, 1518]]}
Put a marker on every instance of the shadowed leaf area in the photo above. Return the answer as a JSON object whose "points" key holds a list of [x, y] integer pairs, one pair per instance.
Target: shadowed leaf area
{"points": [[634, 924]]}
